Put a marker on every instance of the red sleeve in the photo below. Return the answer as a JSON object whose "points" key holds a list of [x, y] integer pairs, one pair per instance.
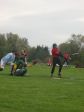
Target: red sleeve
{"points": [[55, 52]]}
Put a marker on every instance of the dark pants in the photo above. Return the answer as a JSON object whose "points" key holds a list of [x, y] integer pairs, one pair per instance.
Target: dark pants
{"points": [[20, 72], [56, 60], [66, 61]]}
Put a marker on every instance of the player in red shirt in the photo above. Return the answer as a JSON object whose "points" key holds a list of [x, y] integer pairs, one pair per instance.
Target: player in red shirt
{"points": [[66, 58], [56, 54]]}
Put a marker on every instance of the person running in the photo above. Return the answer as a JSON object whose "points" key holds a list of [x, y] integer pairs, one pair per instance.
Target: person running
{"points": [[7, 59], [56, 54]]}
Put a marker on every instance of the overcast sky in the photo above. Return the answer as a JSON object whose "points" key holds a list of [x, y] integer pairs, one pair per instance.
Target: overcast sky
{"points": [[42, 21]]}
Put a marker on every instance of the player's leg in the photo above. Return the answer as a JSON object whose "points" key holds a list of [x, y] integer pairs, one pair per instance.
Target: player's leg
{"points": [[13, 68], [60, 67], [2, 65], [53, 66]]}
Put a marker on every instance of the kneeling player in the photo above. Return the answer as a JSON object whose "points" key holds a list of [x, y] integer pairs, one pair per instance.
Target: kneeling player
{"points": [[19, 68]]}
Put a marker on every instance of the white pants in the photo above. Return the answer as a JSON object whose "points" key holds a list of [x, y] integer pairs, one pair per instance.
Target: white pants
{"points": [[3, 63]]}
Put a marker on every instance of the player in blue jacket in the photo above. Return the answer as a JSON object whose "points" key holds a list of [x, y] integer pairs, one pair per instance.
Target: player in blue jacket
{"points": [[7, 59]]}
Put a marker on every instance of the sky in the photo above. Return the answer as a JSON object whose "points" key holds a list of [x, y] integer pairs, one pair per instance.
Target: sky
{"points": [[43, 22]]}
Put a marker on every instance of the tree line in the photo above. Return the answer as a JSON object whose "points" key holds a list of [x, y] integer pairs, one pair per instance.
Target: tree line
{"points": [[12, 41], [75, 47]]}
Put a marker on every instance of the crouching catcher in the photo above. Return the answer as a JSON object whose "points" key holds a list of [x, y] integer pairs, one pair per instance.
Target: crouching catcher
{"points": [[18, 68]]}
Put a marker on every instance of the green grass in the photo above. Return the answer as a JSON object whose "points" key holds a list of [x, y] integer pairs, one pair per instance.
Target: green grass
{"points": [[38, 92]]}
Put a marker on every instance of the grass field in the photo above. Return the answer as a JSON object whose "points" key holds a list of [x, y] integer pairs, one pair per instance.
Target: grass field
{"points": [[38, 92]]}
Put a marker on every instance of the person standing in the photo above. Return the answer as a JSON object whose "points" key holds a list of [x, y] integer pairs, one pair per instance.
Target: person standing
{"points": [[49, 62], [66, 58], [56, 59]]}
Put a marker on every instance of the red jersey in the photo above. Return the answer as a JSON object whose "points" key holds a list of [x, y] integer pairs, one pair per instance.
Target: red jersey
{"points": [[55, 52], [66, 56]]}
